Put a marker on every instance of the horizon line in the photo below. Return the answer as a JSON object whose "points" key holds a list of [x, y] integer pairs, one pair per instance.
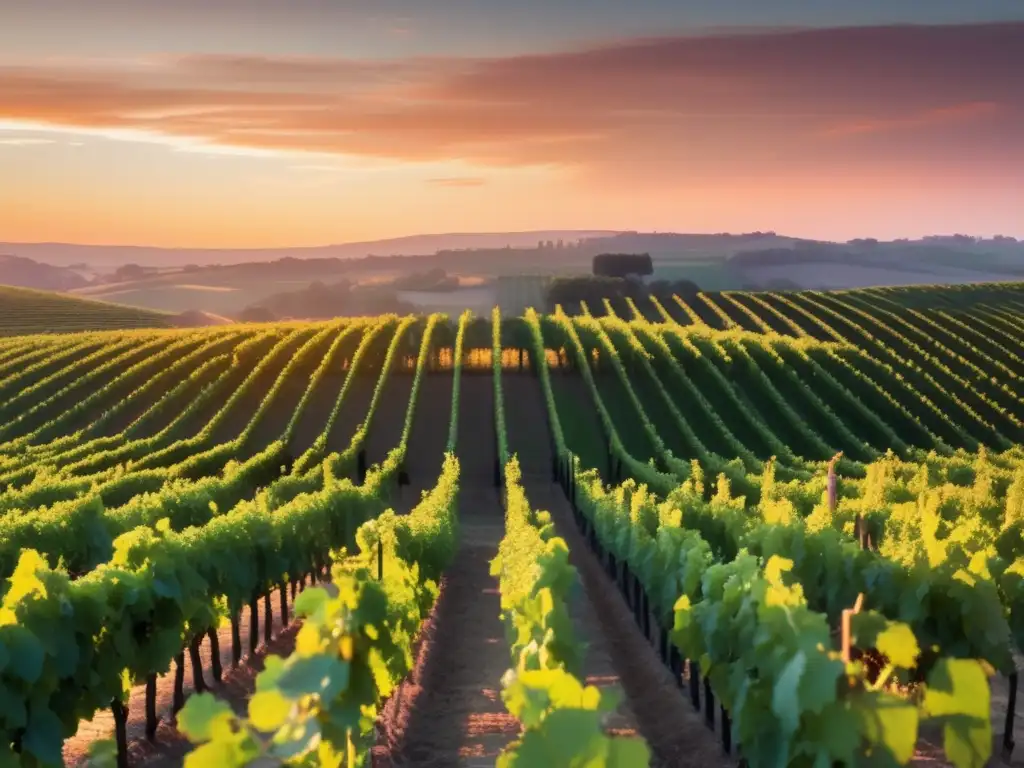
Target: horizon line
{"points": [[592, 232]]}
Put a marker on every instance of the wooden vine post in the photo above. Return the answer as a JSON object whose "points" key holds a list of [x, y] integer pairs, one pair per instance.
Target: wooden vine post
{"points": [[848, 614]]}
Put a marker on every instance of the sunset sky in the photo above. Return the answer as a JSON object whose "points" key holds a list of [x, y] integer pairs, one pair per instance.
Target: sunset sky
{"points": [[304, 122]]}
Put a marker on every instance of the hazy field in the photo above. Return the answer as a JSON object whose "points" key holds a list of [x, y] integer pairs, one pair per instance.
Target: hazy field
{"points": [[838, 276]]}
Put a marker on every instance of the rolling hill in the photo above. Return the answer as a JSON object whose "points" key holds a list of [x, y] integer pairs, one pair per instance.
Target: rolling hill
{"points": [[27, 311]]}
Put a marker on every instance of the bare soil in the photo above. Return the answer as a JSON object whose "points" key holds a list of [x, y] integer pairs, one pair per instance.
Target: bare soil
{"points": [[449, 712], [674, 731], [620, 656], [526, 424], [477, 447]]}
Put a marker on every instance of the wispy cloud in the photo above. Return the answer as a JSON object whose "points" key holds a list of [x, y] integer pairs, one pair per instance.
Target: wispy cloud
{"points": [[402, 26], [318, 168], [954, 115], [25, 142], [667, 108], [461, 181]]}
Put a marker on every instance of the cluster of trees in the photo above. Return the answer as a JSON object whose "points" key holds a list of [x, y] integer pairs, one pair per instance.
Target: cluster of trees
{"points": [[431, 280], [128, 273], [347, 299], [957, 250], [965, 239], [26, 273], [771, 257], [321, 301], [616, 276], [557, 245], [623, 264]]}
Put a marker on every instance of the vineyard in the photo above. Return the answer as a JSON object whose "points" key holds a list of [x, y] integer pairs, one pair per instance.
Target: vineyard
{"points": [[26, 311], [776, 528]]}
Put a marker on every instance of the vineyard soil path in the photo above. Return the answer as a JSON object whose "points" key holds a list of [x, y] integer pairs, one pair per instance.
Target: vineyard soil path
{"points": [[449, 711], [618, 655]]}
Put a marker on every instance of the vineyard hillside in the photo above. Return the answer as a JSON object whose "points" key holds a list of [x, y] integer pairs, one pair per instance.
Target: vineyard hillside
{"points": [[27, 311], [782, 527]]}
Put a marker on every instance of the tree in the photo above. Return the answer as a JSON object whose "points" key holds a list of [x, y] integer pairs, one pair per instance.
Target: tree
{"points": [[130, 272], [623, 264]]}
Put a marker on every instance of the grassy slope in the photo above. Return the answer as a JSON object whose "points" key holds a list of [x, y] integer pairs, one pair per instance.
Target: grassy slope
{"points": [[27, 311]]}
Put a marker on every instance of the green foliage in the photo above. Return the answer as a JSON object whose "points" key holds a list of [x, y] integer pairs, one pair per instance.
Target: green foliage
{"points": [[318, 706], [561, 718], [499, 396], [771, 658], [794, 700], [460, 338], [562, 724], [126, 528]]}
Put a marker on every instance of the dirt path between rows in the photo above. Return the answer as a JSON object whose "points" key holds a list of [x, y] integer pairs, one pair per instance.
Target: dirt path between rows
{"points": [[449, 712], [619, 657], [674, 731]]}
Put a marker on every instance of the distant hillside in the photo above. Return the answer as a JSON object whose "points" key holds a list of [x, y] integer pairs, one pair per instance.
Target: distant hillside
{"points": [[230, 289], [714, 262], [28, 273], [868, 263], [109, 256], [457, 251], [26, 311], [195, 319]]}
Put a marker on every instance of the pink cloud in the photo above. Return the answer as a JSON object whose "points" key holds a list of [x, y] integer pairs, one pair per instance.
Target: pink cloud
{"points": [[953, 115], [674, 108]]}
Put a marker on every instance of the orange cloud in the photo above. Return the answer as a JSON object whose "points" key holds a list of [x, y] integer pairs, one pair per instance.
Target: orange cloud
{"points": [[722, 104]]}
